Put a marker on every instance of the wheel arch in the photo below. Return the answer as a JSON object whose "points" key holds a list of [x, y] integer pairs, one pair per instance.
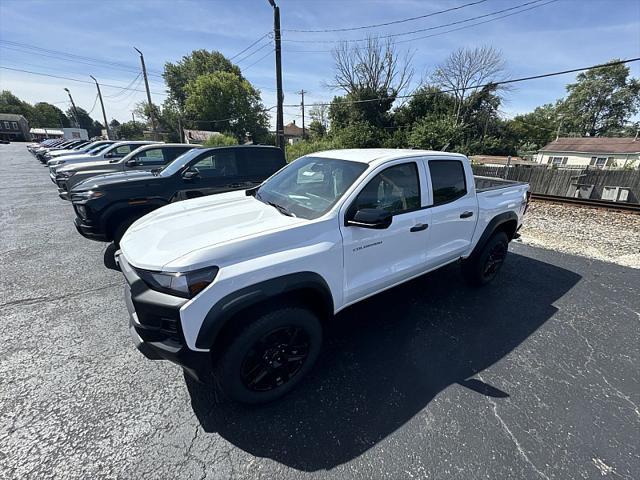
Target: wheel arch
{"points": [[232, 311], [506, 222], [123, 210]]}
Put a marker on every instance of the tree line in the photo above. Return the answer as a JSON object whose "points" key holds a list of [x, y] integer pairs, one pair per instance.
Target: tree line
{"points": [[457, 107]]}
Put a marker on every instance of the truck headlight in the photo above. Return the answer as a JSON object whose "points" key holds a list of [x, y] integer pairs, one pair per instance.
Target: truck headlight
{"points": [[65, 175], [186, 285], [89, 195]]}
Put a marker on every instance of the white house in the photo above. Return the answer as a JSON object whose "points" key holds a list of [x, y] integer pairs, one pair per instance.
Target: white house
{"points": [[597, 152]]}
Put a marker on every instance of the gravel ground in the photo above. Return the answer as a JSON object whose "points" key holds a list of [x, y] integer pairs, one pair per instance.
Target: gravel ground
{"points": [[600, 234], [533, 377]]}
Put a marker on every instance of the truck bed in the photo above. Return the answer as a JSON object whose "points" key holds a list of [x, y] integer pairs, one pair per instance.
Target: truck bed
{"points": [[485, 184]]}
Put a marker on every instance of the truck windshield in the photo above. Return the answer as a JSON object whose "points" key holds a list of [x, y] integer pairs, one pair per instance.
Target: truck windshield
{"points": [[99, 148], [180, 162], [310, 186]]}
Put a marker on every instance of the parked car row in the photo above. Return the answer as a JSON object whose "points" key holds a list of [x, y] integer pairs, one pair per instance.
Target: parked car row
{"points": [[234, 260]]}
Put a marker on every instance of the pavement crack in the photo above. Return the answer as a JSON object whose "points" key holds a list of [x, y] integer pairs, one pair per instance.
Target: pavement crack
{"points": [[51, 298], [513, 438]]}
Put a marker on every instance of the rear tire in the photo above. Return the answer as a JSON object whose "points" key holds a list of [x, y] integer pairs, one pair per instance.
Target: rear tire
{"points": [[268, 357], [484, 267]]}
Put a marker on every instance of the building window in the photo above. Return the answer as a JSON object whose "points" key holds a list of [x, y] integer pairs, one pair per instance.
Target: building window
{"points": [[6, 125], [14, 125], [558, 160], [601, 162]]}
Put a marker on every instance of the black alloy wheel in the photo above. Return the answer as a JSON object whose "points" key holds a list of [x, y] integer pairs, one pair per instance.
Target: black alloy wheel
{"points": [[494, 260], [275, 358]]}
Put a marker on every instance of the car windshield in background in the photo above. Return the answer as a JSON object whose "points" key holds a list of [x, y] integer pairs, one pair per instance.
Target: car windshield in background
{"points": [[180, 162], [310, 186], [99, 148]]}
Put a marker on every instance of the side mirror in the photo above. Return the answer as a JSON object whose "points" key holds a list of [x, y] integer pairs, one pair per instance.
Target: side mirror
{"points": [[131, 162], [371, 218], [190, 174]]}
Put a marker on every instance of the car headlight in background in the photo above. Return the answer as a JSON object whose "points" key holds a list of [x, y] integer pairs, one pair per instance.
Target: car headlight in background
{"points": [[186, 285], [89, 194]]}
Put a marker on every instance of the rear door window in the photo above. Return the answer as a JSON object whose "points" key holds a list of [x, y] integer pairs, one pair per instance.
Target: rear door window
{"points": [[153, 156], [221, 164], [447, 180], [260, 162]]}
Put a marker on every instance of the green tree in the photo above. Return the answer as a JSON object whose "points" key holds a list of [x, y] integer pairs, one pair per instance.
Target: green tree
{"points": [[187, 70], [317, 129], [84, 121], [535, 129], [435, 133], [47, 115], [131, 130], [9, 103], [601, 101], [229, 99], [220, 141]]}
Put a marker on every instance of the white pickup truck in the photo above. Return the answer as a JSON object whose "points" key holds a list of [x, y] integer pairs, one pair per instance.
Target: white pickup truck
{"points": [[239, 284]]}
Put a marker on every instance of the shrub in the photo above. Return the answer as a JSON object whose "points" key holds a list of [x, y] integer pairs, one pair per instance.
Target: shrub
{"points": [[306, 147], [220, 141]]}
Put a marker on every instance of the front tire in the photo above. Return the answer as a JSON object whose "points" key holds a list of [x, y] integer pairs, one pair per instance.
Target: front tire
{"points": [[484, 267], [268, 357]]}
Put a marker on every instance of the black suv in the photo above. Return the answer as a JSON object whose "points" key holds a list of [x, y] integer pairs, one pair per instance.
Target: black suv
{"points": [[106, 205]]}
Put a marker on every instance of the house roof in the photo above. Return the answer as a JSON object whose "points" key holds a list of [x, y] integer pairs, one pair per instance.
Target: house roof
{"points": [[292, 130], [594, 145], [11, 117], [500, 160]]}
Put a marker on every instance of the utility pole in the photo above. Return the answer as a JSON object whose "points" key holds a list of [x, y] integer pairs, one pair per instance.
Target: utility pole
{"points": [[279, 114], [146, 86], [75, 110], [133, 117], [180, 130], [104, 114], [304, 133], [559, 126]]}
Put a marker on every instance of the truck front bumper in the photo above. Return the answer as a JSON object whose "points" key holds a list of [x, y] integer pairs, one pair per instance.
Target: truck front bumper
{"points": [[89, 231], [154, 325]]}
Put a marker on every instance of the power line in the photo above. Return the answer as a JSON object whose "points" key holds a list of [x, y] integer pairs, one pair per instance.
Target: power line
{"points": [[269, 43], [394, 22], [119, 87], [125, 89], [95, 102], [258, 61], [247, 48], [442, 33], [473, 87], [393, 35], [57, 54]]}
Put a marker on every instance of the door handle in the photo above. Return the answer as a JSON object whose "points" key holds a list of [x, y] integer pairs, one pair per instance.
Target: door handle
{"points": [[466, 214], [419, 227]]}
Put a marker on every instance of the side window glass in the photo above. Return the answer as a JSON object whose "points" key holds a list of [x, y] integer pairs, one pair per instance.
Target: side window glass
{"points": [[122, 150], [395, 190], [219, 165], [448, 181], [154, 156]]}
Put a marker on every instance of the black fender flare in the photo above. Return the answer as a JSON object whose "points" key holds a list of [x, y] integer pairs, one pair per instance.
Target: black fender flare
{"points": [[127, 208], [249, 296], [491, 227]]}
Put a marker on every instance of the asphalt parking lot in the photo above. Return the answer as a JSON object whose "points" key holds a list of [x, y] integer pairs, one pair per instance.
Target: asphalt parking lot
{"points": [[534, 376]]}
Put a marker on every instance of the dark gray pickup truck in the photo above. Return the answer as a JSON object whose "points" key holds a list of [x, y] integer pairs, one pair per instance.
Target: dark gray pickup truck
{"points": [[145, 158]]}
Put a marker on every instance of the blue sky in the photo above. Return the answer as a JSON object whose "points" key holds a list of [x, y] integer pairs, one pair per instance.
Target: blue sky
{"points": [[561, 35]]}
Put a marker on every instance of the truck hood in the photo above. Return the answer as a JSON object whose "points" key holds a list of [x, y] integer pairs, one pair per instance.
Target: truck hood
{"points": [[82, 166], [114, 178], [84, 157], [204, 231]]}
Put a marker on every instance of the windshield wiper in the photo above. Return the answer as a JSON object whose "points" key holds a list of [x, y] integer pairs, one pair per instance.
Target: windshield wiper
{"points": [[281, 209]]}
